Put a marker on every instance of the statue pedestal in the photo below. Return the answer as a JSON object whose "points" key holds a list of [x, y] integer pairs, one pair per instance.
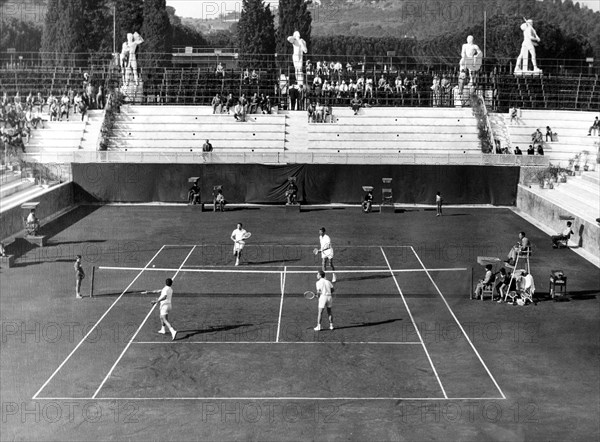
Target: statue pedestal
{"points": [[132, 93], [528, 73]]}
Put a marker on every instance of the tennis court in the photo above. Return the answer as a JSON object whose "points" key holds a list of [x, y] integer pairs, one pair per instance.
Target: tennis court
{"points": [[406, 335]]}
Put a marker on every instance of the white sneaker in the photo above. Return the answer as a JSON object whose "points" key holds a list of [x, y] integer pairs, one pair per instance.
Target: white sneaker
{"points": [[317, 328], [173, 334], [78, 296], [237, 262], [330, 326], [162, 331], [333, 279]]}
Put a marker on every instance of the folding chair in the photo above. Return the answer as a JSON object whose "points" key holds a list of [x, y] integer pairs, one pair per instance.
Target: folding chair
{"points": [[386, 192], [488, 289]]}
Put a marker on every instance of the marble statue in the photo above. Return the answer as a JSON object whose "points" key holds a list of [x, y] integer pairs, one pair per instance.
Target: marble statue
{"points": [[471, 57], [299, 51], [530, 41]]}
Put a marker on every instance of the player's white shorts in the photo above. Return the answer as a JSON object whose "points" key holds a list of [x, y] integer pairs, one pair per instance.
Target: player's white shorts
{"points": [[327, 254], [165, 309], [237, 247], [325, 301]]}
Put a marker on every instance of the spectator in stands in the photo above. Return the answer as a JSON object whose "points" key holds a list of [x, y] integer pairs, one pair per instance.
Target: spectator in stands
{"points": [[2, 250], [369, 88], [319, 112], [595, 127], [266, 105], [228, 103], [83, 107], [311, 112], [549, 134], [39, 102], [487, 280], [293, 92], [514, 115], [564, 236], [254, 102], [518, 151], [53, 109], [219, 201], [100, 100], [540, 150], [356, 103], [216, 104], [207, 147], [194, 194], [530, 150], [220, 72], [537, 137], [64, 106], [522, 246], [238, 112]]}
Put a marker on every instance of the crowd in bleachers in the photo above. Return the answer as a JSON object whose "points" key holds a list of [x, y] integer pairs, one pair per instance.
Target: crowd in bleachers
{"points": [[20, 116]]}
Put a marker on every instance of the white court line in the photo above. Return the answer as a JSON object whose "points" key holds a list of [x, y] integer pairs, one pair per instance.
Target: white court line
{"points": [[281, 303], [275, 342], [136, 332], [266, 398], [231, 270], [459, 325], [414, 325], [96, 324], [310, 247]]}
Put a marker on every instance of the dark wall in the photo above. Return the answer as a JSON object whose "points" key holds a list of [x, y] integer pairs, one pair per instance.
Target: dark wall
{"points": [[317, 183]]}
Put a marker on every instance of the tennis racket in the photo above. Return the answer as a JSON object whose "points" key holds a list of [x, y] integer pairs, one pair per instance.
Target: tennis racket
{"points": [[309, 295], [315, 251], [246, 235]]}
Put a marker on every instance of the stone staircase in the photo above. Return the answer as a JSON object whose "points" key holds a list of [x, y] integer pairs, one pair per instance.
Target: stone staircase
{"points": [[133, 94], [296, 129], [14, 189], [500, 130], [91, 132]]}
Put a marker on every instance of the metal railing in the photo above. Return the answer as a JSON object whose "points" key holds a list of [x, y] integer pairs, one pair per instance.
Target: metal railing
{"points": [[177, 157]]}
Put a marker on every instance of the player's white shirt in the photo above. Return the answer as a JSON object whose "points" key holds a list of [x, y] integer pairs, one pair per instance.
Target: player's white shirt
{"points": [[238, 235], [324, 287], [326, 247], [167, 294]]}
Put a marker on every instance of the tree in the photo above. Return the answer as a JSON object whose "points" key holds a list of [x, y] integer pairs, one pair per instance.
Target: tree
{"points": [[157, 33], [293, 16], [256, 32], [129, 19], [49, 34]]}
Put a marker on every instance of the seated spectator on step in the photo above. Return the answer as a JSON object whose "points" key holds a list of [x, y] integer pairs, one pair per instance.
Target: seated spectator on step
{"points": [[83, 107], [219, 201], [216, 104], [311, 112], [486, 282], [265, 104], [53, 110], [536, 137], [32, 224], [207, 147], [595, 127], [319, 112], [540, 150], [230, 103], [564, 236], [220, 72], [356, 104], [530, 150], [254, 102], [518, 151], [549, 134], [194, 194], [520, 247], [64, 107], [238, 112], [514, 115]]}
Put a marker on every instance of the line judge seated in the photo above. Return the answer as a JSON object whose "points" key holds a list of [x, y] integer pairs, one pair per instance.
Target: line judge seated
{"points": [[32, 224], [194, 194]]}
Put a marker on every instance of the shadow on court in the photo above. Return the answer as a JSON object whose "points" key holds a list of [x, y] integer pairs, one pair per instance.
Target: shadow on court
{"points": [[190, 333], [369, 324]]}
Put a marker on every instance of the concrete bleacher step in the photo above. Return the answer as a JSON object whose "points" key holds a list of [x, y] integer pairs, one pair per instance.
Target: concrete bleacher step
{"points": [[15, 186], [343, 137], [167, 118], [122, 128], [580, 195], [296, 127], [592, 176], [20, 197]]}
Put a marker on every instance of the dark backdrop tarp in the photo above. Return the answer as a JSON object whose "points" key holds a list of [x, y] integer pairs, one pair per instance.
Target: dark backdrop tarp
{"points": [[317, 183]]}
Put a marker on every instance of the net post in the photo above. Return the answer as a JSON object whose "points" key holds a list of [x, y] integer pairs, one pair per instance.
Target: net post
{"points": [[92, 282]]}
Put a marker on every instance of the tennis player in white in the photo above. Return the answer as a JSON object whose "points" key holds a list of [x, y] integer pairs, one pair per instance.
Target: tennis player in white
{"points": [[324, 292], [326, 252], [165, 307], [237, 236]]}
